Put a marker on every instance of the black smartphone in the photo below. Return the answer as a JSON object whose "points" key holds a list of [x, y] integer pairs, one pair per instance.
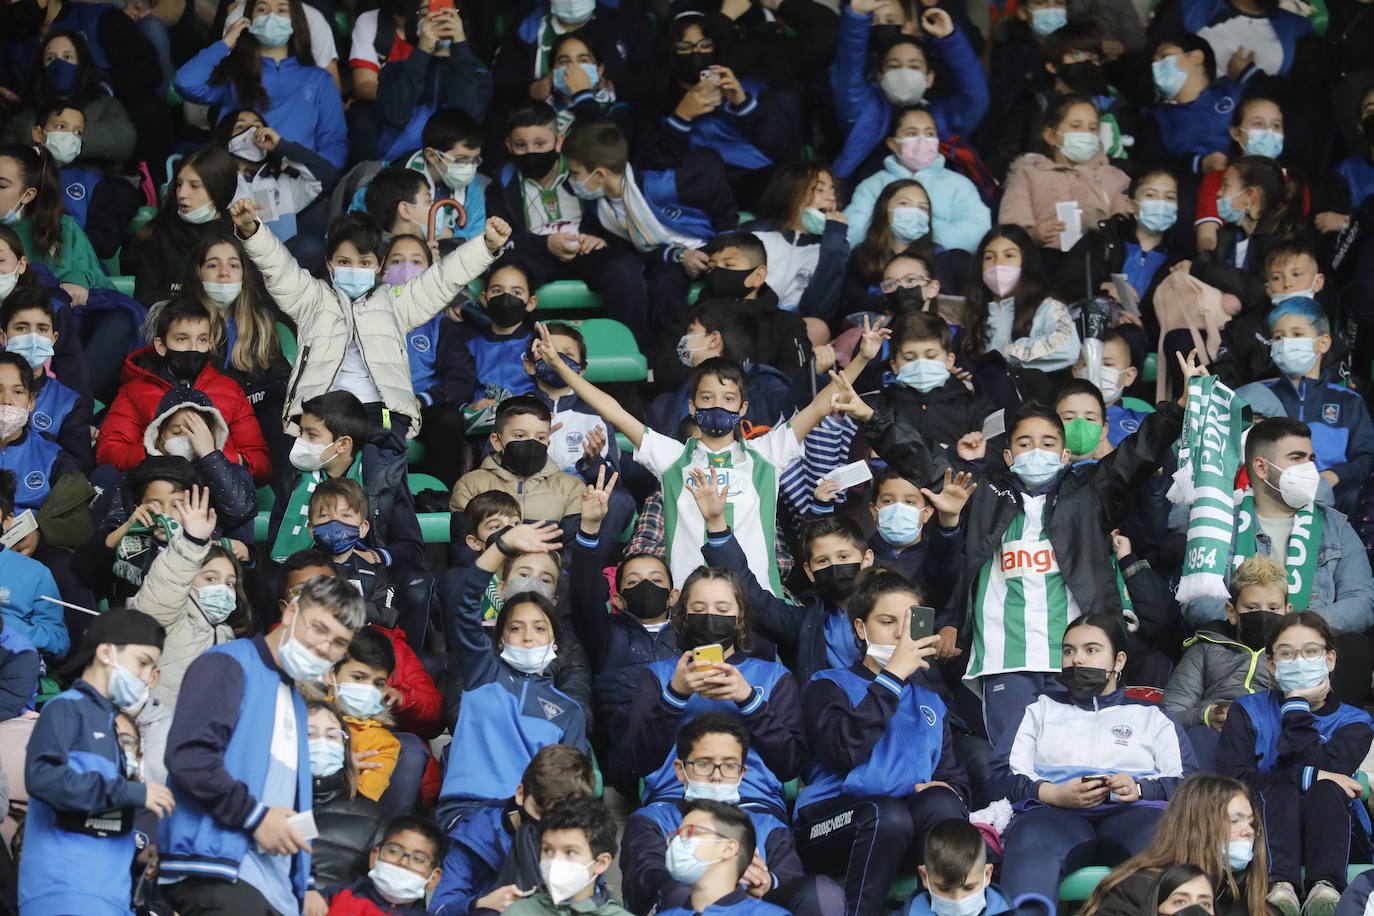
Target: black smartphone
{"points": [[922, 622]]}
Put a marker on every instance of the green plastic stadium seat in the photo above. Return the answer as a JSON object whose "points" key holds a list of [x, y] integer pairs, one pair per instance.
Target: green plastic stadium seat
{"points": [[1137, 404], [598, 784], [903, 887], [1150, 371], [124, 283], [622, 440], [287, 338], [612, 355], [434, 526], [111, 264], [141, 218], [567, 294], [415, 451], [263, 520], [1079, 885]]}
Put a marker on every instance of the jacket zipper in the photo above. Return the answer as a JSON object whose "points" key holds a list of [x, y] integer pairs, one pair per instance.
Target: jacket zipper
{"points": [[300, 372]]}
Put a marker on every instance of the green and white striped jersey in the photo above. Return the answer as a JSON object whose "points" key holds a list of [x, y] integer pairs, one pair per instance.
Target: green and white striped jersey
{"points": [[751, 469], [1021, 604]]}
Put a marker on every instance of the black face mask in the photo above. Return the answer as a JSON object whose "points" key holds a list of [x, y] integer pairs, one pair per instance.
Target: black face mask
{"points": [[905, 299], [1367, 127], [880, 36], [711, 630], [1254, 626], [524, 457], [536, 165], [723, 283], [836, 581], [687, 67], [645, 600], [186, 365], [1084, 77], [506, 309], [1083, 682]]}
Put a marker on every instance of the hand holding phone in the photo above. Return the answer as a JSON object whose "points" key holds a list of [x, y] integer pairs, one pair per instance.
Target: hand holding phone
{"points": [[922, 622], [706, 656]]}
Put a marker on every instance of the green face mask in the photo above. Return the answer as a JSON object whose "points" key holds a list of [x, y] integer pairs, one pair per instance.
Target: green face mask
{"points": [[1081, 436]]}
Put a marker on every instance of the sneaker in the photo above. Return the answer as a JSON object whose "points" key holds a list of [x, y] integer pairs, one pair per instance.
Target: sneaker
{"points": [[1283, 898], [1321, 900]]}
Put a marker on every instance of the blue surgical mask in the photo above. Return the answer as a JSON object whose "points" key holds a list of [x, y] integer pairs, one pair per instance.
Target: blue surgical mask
{"points": [[199, 215], [971, 905], [362, 701], [899, 524], [560, 77], [35, 348], [1168, 76], [216, 602], [909, 223], [1264, 142], [572, 10], [583, 192], [14, 215], [1158, 215], [1239, 854], [1301, 673], [127, 690], [1227, 211], [1309, 293], [529, 659], [1293, 355], [813, 221], [326, 757], [925, 375], [354, 281], [1036, 467], [297, 659], [336, 536], [682, 862], [1049, 20], [272, 30], [712, 791]]}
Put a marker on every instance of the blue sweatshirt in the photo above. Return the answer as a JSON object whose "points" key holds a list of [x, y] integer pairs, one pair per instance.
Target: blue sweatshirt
{"points": [[306, 107], [22, 580], [736, 903], [497, 360], [441, 367], [73, 767], [477, 845], [1342, 433]]}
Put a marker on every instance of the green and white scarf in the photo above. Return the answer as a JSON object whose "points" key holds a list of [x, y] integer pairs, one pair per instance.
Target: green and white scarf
{"points": [[1209, 455], [1304, 545]]}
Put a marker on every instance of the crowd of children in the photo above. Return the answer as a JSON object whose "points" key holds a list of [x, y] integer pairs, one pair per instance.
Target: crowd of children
{"points": [[814, 457]]}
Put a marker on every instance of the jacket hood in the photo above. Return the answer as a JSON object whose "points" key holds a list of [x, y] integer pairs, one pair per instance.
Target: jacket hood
{"points": [[893, 166], [182, 398], [144, 364]]}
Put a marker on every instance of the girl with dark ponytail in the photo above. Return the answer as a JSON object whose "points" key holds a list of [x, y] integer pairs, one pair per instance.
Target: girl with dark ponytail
{"points": [[31, 204]]}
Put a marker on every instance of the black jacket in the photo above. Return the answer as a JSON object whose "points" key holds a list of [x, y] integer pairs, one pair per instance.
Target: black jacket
{"points": [[1085, 503], [349, 827], [917, 432]]}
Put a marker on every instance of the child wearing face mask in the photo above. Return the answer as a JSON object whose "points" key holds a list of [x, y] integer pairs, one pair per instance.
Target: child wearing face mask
{"points": [[338, 523], [1116, 373], [1188, 125], [192, 590], [1342, 433], [864, 103], [81, 803], [883, 766], [1072, 168], [356, 686], [576, 848], [507, 300], [26, 612], [711, 750], [958, 215], [957, 876], [712, 852], [348, 821], [404, 869], [1312, 808], [351, 332], [524, 685]]}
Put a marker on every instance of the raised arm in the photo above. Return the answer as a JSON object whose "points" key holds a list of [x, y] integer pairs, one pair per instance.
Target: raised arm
{"points": [[836, 395], [605, 405]]}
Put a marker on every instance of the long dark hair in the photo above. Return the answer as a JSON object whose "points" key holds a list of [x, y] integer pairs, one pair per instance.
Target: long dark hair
{"points": [[11, 240], [38, 169], [350, 771], [873, 253], [88, 76], [217, 173], [1029, 292], [256, 344], [1170, 880], [788, 192], [242, 67], [677, 615], [1281, 195]]}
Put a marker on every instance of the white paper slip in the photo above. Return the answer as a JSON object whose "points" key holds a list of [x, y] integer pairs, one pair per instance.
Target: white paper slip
{"points": [[850, 475], [1067, 212], [1125, 294], [995, 424], [24, 523], [304, 824]]}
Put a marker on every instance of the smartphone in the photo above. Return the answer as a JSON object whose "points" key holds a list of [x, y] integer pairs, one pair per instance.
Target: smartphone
{"points": [[1097, 777], [710, 75], [706, 656], [922, 622]]}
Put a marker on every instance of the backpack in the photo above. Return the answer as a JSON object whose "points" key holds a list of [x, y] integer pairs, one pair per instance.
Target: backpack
{"points": [[962, 158]]}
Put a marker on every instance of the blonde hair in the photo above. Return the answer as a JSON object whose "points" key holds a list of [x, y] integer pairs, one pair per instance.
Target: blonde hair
{"points": [[1258, 572]]}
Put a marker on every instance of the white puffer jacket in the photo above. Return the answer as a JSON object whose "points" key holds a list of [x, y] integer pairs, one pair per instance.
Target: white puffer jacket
{"points": [[326, 320]]}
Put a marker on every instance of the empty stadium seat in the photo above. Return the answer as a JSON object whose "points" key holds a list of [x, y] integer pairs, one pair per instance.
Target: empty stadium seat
{"points": [[434, 526], [612, 355]]}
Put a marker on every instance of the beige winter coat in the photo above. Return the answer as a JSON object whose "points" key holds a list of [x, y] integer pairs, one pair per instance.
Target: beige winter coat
{"points": [[326, 320], [166, 597], [1036, 183], [549, 496]]}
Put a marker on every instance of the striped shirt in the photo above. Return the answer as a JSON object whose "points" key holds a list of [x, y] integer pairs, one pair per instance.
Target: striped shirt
{"points": [[1022, 604]]}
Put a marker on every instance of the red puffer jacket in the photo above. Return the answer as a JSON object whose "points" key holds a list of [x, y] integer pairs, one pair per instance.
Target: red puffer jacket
{"points": [[141, 387], [422, 705]]}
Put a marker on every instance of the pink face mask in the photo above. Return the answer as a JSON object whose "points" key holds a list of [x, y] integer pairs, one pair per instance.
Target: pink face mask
{"points": [[1002, 279], [917, 153], [400, 273]]}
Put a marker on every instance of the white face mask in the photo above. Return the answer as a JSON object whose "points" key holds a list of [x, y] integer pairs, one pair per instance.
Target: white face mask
{"points": [[242, 145], [564, 879], [1110, 384], [878, 652], [308, 456], [712, 791], [179, 447], [398, 885], [903, 85], [1297, 484]]}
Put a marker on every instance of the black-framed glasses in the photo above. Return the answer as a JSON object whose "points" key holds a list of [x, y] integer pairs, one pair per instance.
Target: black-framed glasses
{"points": [[705, 769], [705, 45], [397, 854]]}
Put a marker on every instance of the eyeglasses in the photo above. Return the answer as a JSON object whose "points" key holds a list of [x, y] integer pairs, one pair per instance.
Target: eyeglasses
{"points": [[1309, 652], [317, 636], [460, 160], [706, 769], [687, 47], [396, 854], [910, 281], [688, 831]]}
